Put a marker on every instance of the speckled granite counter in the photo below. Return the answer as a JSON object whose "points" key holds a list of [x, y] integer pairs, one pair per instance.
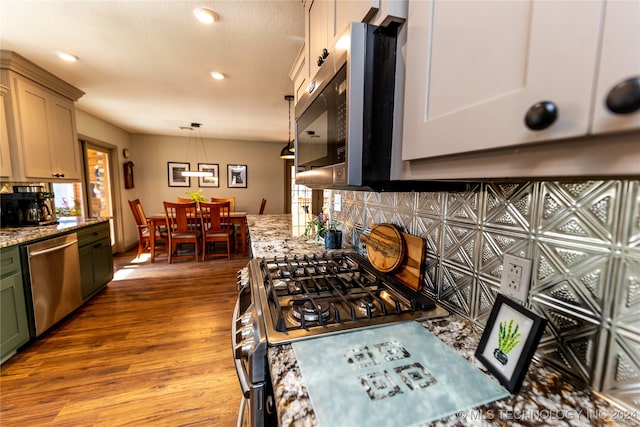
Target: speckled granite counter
{"points": [[546, 398], [274, 235], [17, 235]]}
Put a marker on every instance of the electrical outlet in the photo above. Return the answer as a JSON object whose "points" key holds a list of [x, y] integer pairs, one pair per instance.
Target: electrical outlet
{"points": [[516, 276], [337, 202]]}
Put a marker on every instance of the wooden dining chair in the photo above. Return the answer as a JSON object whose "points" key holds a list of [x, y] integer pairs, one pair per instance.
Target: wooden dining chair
{"points": [[183, 227], [216, 227], [262, 206], [144, 238], [231, 200]]}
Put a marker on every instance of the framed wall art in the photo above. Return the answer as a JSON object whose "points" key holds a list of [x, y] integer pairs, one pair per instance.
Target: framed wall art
{"points": [[237, 176], [174, 174], [509, 341], [209, 181]]}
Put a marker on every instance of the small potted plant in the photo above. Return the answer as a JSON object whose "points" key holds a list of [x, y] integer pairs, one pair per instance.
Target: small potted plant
{"points": [[332, 236], [316, 226], [196, 196]]}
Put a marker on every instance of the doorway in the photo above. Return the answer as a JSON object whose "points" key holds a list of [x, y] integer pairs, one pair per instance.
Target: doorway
{"points": [[99, 195]]}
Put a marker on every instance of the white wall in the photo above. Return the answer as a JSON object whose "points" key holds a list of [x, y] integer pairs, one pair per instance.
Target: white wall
{"points": [[265, 170]]}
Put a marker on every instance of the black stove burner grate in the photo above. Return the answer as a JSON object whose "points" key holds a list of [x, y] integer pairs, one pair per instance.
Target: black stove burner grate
{"points": [[334, 289]]}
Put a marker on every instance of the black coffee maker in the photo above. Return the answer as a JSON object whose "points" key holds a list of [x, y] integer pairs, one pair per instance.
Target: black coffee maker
{"points": [[28, 206]]}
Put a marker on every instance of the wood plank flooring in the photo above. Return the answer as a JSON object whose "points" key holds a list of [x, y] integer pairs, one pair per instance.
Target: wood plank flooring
{"points": [[154, 348]]}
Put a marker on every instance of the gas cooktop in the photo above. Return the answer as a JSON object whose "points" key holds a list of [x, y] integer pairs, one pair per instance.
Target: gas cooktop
{"points": [[303, 297]]}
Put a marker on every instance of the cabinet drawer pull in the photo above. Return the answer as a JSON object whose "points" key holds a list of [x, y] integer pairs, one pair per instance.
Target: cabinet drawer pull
{"points": [[541, 115], [624, 98]]}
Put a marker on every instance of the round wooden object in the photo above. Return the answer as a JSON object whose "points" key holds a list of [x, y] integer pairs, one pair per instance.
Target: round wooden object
{"points": [[385, 247]]}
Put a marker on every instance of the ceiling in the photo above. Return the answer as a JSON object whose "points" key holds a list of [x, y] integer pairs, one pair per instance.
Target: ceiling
{"points": [[145, 65]]}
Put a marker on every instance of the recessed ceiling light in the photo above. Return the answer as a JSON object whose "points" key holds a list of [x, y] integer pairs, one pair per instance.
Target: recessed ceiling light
{"points": [[67, 57], [206, 16], [217, 75]]}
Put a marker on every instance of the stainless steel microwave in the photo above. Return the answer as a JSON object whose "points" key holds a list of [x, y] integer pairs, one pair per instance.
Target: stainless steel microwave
{"points": [[344, 119]]}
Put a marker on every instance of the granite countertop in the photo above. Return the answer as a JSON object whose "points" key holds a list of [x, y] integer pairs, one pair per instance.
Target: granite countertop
{"points": [[276, 235], [546, 398], [18, 235]]}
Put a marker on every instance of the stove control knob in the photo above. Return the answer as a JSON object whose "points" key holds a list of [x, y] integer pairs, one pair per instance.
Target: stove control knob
{"points": [[245, 319], [243, 278], [243, 349], [244, 333]]}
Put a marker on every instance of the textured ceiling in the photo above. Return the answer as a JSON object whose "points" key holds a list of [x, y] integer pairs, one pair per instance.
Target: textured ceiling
{"points": [[145, 65]]}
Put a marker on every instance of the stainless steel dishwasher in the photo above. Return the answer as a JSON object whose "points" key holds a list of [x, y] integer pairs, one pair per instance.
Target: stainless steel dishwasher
{"points": [[54, 268]]}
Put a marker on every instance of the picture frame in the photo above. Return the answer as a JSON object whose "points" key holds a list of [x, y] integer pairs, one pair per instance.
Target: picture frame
{"points": [[509, 341], [209, 181], [174, 171], [237, 176]]}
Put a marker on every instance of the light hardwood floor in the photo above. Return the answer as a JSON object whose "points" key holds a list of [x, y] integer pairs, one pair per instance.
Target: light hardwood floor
{"points": [[154, 348]]}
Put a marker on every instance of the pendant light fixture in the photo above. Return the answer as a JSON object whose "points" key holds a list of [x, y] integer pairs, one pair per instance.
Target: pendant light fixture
{"points": [[287, 151], [195, 173]]}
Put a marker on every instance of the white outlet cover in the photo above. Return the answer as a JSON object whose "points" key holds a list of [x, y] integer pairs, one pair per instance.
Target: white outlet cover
{"points": [[519, 289], [337, 202]]}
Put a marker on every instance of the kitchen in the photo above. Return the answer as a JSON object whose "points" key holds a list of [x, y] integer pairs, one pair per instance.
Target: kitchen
{"points": [[536, 218]]}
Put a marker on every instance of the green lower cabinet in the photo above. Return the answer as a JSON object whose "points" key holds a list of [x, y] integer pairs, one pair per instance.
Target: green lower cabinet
{"points": [[96, 258], [14, 327]]}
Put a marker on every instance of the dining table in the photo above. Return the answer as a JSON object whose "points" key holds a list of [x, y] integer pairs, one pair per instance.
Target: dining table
{"points": [[159, 219]]}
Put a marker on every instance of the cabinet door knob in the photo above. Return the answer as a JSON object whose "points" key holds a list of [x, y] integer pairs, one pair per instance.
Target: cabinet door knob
{"points": [[624, 98], [322, 57], [541, 115]]}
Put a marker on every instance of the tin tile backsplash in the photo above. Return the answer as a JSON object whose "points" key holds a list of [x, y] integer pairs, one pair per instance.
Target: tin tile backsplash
{"points": [[583, 238]]}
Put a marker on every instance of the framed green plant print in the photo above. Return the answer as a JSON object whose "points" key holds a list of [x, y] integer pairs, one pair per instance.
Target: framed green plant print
{"points": [[509, 342]]}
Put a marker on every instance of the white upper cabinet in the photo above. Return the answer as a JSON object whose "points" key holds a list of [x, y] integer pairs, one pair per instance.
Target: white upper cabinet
{"points": [[316, 36], [326, 20], [67, 154], [347, 11], [47, 132], [40, 120], [619, 72], [5, 153], [492, 74], [34, 117]]}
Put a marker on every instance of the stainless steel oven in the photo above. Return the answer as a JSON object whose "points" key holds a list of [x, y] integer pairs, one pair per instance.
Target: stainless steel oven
{"points": [[286, 299], [249, 343]]}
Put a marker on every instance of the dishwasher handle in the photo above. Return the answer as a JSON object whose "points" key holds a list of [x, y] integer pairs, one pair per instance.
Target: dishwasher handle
{"points": [[53, 249]]}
